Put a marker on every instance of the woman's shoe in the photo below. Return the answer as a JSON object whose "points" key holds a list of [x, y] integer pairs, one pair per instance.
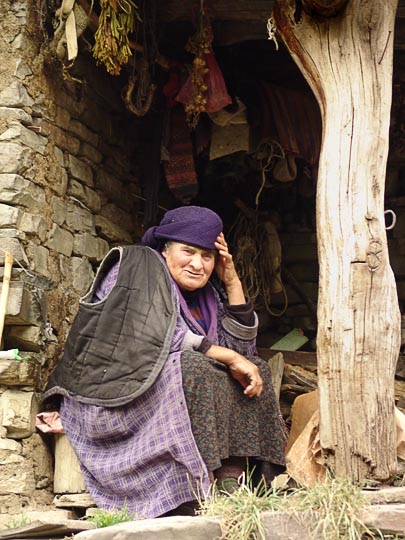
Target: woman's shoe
{"points": [[227, 486]]}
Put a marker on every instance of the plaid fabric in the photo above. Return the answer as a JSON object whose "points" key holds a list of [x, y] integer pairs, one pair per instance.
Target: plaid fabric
{"points": [[143, 456]]}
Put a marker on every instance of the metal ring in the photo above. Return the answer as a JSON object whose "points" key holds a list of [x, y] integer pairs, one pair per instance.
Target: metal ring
{"points": [[394, 219]]}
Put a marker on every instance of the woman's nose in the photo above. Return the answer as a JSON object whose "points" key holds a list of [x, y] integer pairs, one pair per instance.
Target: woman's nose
{"points": [[196, 261]]}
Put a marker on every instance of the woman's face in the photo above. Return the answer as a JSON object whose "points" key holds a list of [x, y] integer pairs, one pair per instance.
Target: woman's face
{"points": [[189, 266]]}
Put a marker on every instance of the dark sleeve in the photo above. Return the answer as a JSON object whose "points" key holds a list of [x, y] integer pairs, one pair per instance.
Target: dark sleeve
{"points": [[242, 313], [205, 345]]}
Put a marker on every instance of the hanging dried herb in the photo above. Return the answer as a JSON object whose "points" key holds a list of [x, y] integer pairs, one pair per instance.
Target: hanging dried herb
{"points": [[116, 21], [199, 44]]}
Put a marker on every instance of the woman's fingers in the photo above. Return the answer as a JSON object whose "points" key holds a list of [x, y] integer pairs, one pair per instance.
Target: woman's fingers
{"points": [[254, 388], [248, 375]]}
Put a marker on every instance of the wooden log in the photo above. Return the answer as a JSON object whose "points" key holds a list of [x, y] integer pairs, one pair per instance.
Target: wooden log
{"points": [[74, 500], [68, 477], [276, 364], [300, 376], [347, 61]]}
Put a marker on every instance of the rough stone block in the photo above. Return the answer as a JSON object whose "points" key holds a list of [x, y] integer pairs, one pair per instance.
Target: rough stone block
{"points": [[125, 220], [80, 219], [9, 216], [58, 178], [14, 189], [14, 114], [168, 528], [62, 117], [17, 411], [18, 132], [112, 232], [113, 189], [83, 274], [60, 138], [80, 171], [21, 373], [59, 210], [89, 152], [25, 304], [389, 518], [75, 106], [38, 453], [14, 246], [87, 245], [60, 240], [34, 225], [22, 70], [15, 478], [26, 338], [39, 256], [81, 131], [85, 195], [15, 95], [9, 447], [15, 158]]}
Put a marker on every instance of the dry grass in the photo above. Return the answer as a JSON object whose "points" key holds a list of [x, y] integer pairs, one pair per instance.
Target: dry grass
{"points": [[329, 511]]}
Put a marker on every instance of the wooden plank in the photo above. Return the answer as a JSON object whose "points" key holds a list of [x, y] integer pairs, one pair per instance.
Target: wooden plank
{"points": [[298, 358], [39, 529], [76, 500], [308, 358]]}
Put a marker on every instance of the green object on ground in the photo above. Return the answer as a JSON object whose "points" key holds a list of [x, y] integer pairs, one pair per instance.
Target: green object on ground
{"points": [[291, 341]]}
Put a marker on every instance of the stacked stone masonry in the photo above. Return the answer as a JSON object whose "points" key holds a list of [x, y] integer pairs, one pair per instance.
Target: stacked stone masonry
{"points": [[68, 192]]}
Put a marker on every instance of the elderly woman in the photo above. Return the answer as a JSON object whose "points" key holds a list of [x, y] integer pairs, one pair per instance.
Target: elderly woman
{"points": [[159, 388]]}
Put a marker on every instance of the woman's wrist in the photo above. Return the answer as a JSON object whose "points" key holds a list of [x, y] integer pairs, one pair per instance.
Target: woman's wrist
{"points": [[234, 292], [222, 354]]}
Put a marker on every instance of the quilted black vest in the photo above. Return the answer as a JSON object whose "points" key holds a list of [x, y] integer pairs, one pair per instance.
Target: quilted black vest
{"points": [[117, 346]]}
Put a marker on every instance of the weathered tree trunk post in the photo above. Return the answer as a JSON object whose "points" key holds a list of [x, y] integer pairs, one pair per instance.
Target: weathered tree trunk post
{"points": [[344, 49]]}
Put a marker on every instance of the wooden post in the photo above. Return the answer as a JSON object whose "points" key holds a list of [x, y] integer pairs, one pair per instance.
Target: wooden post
{"points": [[8, 264], [347, 60]]}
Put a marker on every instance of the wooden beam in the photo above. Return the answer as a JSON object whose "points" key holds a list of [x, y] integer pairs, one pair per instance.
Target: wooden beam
{"points": [[324, 8]]}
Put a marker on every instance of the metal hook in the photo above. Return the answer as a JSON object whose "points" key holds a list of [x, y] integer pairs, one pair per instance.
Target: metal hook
{"points": [[394, 219]]}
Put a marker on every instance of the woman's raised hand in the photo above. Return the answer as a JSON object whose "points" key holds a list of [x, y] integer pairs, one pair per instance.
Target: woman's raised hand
{"points": [[226, 272]]}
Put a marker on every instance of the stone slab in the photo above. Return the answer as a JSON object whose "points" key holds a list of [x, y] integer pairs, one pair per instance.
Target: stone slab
{"points": [[169, 528], [389, 518]]}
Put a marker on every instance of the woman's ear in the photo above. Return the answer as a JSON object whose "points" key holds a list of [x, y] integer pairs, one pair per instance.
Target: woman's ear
{"points": [[164, 251]]}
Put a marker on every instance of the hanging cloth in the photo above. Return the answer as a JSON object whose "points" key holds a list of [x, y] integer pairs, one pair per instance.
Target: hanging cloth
{"points": [[179, 170]]}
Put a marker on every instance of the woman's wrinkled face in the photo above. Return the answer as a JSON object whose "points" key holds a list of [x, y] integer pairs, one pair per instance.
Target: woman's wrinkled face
{"points": [[189, 266]]}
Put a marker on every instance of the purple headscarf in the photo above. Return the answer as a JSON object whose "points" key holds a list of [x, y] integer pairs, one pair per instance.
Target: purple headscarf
{"points": [[193, 225]]}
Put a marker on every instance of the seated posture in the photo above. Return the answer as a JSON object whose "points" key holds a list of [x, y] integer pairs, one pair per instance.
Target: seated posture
{"points": [[159, 387]]}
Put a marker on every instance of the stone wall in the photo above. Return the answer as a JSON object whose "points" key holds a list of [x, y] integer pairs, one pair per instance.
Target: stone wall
{"points": [[68, 191]]}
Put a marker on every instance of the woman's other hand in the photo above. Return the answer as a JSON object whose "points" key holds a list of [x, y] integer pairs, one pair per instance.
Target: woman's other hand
{"points": [[241, 369], [247, 374]]}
